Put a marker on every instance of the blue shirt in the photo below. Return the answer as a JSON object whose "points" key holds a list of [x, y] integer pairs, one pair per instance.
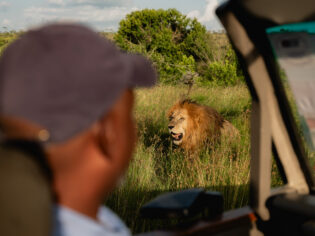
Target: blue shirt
{"points": [[71, 223]]}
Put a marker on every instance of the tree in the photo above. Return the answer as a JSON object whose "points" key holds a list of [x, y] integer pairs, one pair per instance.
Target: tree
{"points": [[171, 40]]}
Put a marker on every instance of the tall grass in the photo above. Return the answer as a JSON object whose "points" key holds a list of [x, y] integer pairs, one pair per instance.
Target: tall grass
{"points": [[158, 167]]}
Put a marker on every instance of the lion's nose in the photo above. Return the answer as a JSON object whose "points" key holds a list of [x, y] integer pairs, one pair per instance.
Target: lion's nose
{"points": [[170, 127]]}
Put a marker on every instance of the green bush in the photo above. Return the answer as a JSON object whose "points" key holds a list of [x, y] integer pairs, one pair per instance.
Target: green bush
{"points": [[225, 72], [178, 45], [6, 38], [222, 73], [171, 40]]}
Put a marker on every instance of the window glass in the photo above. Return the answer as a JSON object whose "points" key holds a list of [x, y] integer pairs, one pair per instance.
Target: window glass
{"points": [[294, 48]]}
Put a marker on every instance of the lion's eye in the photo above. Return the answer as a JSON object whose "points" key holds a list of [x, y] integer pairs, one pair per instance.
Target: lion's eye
{"points": [[170, 118], [182, 118]]}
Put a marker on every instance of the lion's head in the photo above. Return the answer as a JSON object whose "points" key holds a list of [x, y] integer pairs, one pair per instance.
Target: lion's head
{"points": [[178, 122], [191, 125]]}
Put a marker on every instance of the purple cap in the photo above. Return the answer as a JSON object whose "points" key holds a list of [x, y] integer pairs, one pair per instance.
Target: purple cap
{"points": [[65, 77]]}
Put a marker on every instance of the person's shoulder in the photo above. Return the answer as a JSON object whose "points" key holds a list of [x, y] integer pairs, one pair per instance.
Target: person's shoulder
{"points": [[69, 222], [111, 221]]}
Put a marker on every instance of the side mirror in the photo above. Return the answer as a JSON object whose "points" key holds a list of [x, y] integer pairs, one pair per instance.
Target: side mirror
{"points": [[184, 204]]}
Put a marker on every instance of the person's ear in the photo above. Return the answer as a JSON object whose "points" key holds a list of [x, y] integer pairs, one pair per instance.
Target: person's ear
{"points": [[107, 134]]}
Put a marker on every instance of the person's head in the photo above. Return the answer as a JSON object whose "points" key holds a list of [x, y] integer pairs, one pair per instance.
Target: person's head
{"points": [[69, 88]]}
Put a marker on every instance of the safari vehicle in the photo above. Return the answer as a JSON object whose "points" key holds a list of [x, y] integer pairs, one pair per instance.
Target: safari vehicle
{"points": [[275, 43]]}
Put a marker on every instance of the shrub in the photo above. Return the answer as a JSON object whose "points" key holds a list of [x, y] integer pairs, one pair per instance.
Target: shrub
{"points": [[222, 73], [6, 38], [226, 71], [171, 40]]}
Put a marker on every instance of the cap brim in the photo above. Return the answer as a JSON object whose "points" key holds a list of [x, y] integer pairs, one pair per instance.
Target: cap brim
{"points": [[142, 72]]}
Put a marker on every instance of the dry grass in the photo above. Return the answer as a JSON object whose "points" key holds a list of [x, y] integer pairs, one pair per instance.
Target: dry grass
{"points": [[158, 167]]}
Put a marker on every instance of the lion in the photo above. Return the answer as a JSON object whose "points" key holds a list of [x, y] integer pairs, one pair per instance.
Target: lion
{"points": [[192, 126]]}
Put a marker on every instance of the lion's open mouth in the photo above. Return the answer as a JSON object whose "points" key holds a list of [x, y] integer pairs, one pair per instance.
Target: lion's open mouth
{"points": [[177, 137]]}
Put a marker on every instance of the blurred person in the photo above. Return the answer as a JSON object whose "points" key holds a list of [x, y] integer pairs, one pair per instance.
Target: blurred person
{"points": [[69, 92]]}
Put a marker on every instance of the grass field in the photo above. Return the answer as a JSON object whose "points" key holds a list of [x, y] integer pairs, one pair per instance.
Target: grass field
{"points": [[158, 167]]}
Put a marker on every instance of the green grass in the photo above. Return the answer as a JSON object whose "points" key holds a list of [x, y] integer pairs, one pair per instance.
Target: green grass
{"points": [[158, 167]]}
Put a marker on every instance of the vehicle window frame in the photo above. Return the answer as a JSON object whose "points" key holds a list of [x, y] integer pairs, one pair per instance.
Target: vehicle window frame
{"points": [[256, 30]]}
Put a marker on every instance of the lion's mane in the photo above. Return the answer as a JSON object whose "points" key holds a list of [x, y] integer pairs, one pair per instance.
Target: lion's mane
{"points": [[204, 125]]}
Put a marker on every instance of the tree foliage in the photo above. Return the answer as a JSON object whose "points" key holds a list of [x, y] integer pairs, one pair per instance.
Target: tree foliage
{"points": [[6, 38], [179, 46], [172, 41], [226, 71]]}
